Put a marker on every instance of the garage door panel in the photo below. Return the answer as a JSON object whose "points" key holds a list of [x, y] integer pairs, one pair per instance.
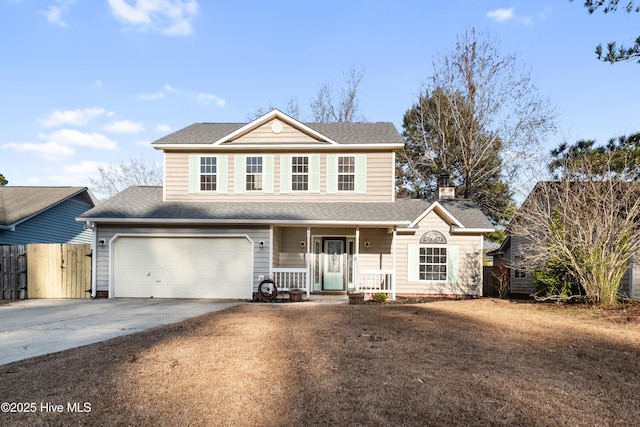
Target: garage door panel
{"points": [[183, 267]]}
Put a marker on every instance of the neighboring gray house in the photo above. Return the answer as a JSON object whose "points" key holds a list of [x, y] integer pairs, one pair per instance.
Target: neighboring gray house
{"points": [[44, 215], [311, 204], [513, 253]]}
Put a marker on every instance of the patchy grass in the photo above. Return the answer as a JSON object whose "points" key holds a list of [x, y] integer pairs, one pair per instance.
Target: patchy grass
{"points": [[468, 362]]}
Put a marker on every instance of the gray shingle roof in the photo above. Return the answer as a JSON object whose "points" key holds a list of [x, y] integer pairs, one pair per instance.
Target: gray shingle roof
{"points": [[466, 212], [145, 204], [343, 133], [18, 203]]}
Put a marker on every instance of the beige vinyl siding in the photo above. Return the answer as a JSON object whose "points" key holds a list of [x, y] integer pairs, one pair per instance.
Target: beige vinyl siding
{"points": [[264, 135], [291, 255], [379, 255], [256, 234], [380, 172], [469, 261]]}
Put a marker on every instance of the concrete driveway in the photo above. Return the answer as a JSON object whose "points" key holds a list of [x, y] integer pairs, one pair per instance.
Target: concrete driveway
{"points": [[36, 327]]}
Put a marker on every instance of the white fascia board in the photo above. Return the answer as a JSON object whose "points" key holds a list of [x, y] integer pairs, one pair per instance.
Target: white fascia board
{"points": [[274, 114], [382, 224], [471, 230], [244, 147], [441, 210]]}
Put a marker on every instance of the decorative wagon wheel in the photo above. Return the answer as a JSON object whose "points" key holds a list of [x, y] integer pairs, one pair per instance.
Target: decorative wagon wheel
{"points": [[267, 289]]}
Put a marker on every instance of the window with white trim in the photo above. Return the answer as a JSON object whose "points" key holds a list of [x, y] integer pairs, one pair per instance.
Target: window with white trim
{"points": [[253, 177], [346, 173], [299, 173], [432, 263], [208, 173]]}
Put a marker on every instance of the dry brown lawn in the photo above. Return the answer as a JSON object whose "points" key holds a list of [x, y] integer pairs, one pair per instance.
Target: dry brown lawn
{"points": [[470, 362]]}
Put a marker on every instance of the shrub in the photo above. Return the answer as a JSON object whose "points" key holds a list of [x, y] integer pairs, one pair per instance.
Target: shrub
{"points": [[379, 297]]}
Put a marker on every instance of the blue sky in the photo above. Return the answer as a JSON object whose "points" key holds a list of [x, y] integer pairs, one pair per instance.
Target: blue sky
{"points": [[85, 83]]}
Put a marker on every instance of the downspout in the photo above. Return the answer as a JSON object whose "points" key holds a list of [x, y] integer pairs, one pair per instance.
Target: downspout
{"points": [[393, 276], [94, 261], [356, 280], [308, 275]]}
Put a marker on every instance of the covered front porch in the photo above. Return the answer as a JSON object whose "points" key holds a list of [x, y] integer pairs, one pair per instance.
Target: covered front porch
{"points": [[321, 260]]}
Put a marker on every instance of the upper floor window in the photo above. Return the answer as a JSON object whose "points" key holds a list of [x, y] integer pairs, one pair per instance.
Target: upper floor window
{"points": [[208, 173], [253, 177], [346, 173], [300, 173], [433, 263]]}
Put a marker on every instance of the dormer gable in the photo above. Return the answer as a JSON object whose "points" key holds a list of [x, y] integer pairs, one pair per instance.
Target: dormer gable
{"points": [[275, 127]]}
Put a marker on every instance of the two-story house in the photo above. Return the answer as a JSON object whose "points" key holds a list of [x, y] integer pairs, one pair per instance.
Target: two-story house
{"points": [[311, 204]]}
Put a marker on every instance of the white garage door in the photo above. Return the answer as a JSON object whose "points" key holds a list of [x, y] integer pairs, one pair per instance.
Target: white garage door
{"points": [[182, 267]]}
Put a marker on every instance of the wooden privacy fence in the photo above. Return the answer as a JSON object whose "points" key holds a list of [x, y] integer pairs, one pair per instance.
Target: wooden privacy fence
{"points": [[45, 271], [13, 272]]}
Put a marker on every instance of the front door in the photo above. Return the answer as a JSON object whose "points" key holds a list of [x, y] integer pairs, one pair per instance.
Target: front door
{"points": [[333, 265]]}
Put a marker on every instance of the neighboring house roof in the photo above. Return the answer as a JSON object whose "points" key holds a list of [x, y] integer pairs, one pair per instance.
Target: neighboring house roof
{"points": [[369, 133], [18, 204], [145, 204]]}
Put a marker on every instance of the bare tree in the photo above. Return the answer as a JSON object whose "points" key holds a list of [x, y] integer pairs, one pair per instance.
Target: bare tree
{"points": [[293, 110], [479, 119], [325, 108], [327, 105], [116, 177], [589, 227]]}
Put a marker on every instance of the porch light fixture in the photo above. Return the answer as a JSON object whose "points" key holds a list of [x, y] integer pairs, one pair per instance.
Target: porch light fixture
{"points": [[101, 243], [261, 243], [367, 245], [302, 244]]}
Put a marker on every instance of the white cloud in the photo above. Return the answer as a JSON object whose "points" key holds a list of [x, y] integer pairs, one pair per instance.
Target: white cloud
{"points": [[74, 137], [54, 12], [124, 126], [77, 173], [208, 98], [151, 96], [163, 127], [171, 89], [75, 117], [50, 150], [501, 15], [172, 17]]}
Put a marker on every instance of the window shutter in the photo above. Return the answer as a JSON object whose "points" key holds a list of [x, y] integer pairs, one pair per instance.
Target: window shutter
{"points": [[285, 174], [238, 174], [452, 264], [268, 174], [223, 174], [361, 173], [314, 173], [332, 174], [412, 263], [194, 174]]}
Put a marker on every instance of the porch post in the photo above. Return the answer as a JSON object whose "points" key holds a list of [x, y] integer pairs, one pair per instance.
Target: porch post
{"points": [[308, 278], [356, 280], [393, 276]]}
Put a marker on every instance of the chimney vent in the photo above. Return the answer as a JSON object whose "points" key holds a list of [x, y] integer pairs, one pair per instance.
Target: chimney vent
{"points": [[445, 190]]}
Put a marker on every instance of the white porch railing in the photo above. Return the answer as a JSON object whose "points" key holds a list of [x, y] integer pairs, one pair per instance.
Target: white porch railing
{"points": [[373, 281], [291, 278]]}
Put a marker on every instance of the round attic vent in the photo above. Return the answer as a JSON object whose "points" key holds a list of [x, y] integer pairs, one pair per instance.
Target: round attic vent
{"points": [[276, 127]]}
